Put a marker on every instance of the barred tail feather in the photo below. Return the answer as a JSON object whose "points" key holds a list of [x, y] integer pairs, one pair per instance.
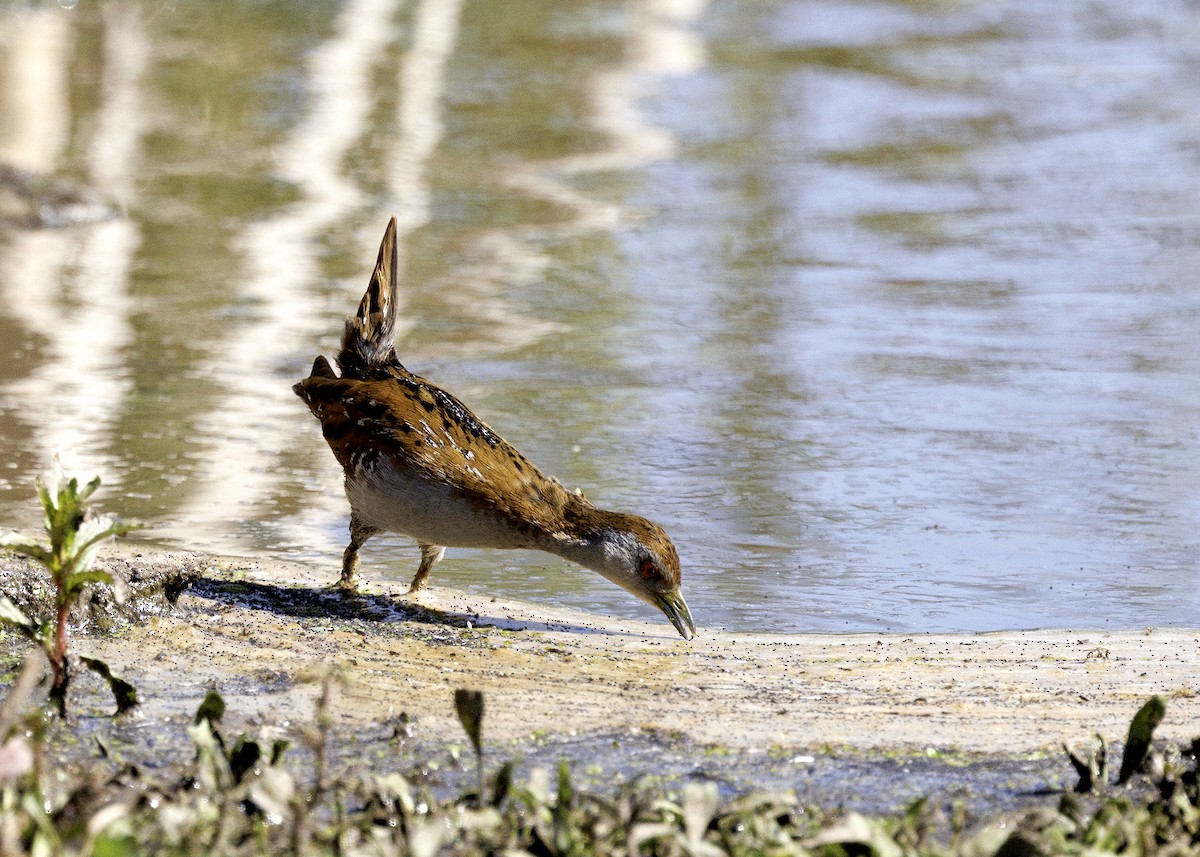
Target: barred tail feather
{"points": [[369, 338]]}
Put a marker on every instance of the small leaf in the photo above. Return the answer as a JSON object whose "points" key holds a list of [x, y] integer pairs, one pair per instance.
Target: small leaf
{"points": [[278, 748], [566, 792], [14, 540], [211, 709], [78, 579], [244, 756], [271, 794], [1083, 769], [426, 838], [855, 833], [1020, 844], [469, 705], [93, 533], [118, 844], [1141, 733], [12, 614], [49, 503], [393, 788], [25, 546], [202, 736], [502, 784], [123, 692], [699, 806], [54, 484], [648, 831], [88, 490], [107, 817]]}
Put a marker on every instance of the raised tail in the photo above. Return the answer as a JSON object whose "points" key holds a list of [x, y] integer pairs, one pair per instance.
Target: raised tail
{"points": [[369, 338]]}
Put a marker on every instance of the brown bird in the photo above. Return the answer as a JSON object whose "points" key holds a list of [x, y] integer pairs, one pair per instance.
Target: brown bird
{"points": [[417, 461]]}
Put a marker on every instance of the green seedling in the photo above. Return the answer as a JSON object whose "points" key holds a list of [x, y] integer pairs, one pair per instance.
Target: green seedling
{"points": [[1093, 768], [75, 539], [469, 706], [1141, 733]]}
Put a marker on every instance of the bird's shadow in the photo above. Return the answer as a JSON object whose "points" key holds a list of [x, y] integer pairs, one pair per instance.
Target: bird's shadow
{"points": [[332, 603]]}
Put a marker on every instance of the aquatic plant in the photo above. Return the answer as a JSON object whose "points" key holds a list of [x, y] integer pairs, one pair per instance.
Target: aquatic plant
{"points": [[75, 538]]}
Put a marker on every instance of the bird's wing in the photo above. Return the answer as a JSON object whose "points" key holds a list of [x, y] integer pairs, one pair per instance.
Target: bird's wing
{"points": [[419, 424]]}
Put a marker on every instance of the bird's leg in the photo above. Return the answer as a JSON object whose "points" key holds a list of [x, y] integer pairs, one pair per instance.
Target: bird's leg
{"points": [[430, 555], [359, 533]]}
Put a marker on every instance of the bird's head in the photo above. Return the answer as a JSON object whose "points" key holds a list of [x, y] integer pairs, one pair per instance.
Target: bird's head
{"points": [[637, 555]]}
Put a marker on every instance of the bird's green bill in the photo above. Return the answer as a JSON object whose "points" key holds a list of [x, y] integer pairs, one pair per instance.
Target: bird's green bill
{"points": [[677, 611]]}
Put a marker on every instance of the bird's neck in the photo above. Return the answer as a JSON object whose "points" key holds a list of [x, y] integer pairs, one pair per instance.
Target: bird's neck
{"points": [[582, 551], [583, 535]]}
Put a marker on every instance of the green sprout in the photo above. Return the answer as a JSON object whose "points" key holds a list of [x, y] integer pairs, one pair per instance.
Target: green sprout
{"points": [[1093, 768], [469, 706], [1141, 733], [75, 539]]}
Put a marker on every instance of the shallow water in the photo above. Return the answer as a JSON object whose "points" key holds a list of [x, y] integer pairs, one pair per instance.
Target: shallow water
{"points": [[887, 311]]}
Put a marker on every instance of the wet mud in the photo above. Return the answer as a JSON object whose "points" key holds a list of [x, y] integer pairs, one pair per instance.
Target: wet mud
{"points": [[144, 585]]}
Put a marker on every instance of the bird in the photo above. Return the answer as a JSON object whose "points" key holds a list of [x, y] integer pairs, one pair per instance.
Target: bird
{"points": [[418, 462]]}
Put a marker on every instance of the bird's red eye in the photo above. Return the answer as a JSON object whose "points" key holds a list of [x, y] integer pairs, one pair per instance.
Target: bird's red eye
{"points": [[649, 569]]}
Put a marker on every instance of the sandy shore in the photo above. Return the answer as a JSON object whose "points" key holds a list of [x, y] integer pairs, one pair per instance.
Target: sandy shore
{"points": [[552, 671]]}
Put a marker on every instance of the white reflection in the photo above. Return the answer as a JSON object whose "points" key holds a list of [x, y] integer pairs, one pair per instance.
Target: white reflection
{"points": [[662, 44], [69, 285], [35, 57], [490, 274], [422, 83], [242, 464], [259, 414]]}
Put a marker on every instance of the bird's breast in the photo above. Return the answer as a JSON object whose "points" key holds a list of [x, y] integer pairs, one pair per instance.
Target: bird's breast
{"points": [[402, 498]]}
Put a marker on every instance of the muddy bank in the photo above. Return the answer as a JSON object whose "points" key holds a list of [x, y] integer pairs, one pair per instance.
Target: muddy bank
{"points": [[866, 720], [553, 671], [144, 585]]}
